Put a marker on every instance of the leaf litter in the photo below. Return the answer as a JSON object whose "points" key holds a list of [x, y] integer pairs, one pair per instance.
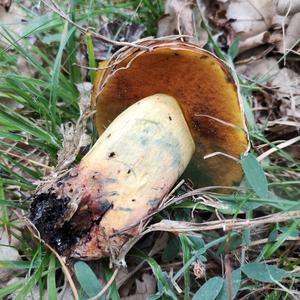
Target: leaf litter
{"points": [[266, 30]]}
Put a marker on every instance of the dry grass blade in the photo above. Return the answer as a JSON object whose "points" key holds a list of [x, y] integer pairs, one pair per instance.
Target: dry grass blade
{"points": [[168, 202], [188, 227], [226, 225], [278, 147], [29, 160]]}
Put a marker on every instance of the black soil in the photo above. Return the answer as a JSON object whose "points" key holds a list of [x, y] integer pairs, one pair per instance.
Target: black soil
{"points": [[47, 213]]}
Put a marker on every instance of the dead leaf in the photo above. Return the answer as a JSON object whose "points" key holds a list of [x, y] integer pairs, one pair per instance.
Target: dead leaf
{"points": [[180, 19], [147, 285], [84, 90], [25, 68], [7, 251], [119, 31], [292, 35], [160, 243], [288, 85], [262, 68], [287, 6], [259, 22], [254, 41], [144, 288], [250, 18], [11, 21], [283, 103], [199, 269], [6, 4]]}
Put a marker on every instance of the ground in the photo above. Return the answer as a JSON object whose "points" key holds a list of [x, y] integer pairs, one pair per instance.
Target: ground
{"points": [[204, 244]]}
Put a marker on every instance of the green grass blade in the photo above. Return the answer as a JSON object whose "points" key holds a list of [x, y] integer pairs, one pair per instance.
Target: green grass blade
{"points": [[87, 279], [55, 80], [186, 257], [272, 249], [11, 288], [8, 116], [31, 282], [51, 282], [71, 47], [91, 55], [12, 264]]}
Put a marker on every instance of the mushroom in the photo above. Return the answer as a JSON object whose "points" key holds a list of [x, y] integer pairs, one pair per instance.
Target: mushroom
{"points": [[204, 89], [158, 111]]}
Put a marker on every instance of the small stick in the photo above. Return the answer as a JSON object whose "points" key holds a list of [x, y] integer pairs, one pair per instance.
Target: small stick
{"points": [[54, 7]]}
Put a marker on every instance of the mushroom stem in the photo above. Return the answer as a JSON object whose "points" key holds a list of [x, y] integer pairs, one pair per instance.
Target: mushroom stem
{"points": [[132, 166]]}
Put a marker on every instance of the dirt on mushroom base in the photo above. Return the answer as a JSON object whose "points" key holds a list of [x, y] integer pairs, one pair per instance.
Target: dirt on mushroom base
{"points": [[58, 215]]}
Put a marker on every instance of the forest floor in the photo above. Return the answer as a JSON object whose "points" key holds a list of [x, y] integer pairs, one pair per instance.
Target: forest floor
{"points": [[47, 63]]}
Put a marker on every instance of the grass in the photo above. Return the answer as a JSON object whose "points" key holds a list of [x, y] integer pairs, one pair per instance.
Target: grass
{"points": [[39, 98]]}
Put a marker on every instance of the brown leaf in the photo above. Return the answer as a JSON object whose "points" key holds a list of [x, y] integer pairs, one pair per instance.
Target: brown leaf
{"points": [[6, 4], [251, 17], [292, 34], [288, 84], [11, 21], [128, 33], [199, 269], [180, 19], [287, 6], [285, 86], [259, 68], [7, 251], [179, 15], [254, 41], [144, 288]]}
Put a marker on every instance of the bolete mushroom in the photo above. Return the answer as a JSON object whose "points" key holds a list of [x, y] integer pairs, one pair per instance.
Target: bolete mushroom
{"points": [[204, 89], [157, 111]]}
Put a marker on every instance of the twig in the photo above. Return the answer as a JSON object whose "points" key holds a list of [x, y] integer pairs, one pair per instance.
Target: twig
{"points": [[54, 7], [266, 240], [226, 225]]}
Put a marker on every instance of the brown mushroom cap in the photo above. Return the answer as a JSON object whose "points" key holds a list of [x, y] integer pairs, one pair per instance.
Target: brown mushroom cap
{"points": [[205, 90]]}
